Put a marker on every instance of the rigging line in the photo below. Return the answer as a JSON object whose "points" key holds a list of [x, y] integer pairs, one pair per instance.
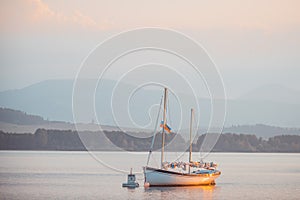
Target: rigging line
{"points": [[193, 120], [168, 121], [169, 111], [155, 129], [155, 161]]}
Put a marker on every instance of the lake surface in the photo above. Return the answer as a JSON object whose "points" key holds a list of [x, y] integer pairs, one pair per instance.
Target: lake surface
{"points": [[79, 175]]}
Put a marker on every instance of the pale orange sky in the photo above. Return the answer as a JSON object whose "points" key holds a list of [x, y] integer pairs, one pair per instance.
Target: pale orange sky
{"points": [[265, 15], [48, 39]]}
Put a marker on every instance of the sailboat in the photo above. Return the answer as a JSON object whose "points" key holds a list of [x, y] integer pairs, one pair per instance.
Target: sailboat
{"points": [[189, 173]]}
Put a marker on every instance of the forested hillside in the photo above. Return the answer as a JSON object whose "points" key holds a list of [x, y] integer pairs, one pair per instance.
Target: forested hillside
{"points": [[44, 139]]}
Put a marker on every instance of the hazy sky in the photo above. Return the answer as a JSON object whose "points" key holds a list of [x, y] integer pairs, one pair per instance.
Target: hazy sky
{"points": [[254, 43]]}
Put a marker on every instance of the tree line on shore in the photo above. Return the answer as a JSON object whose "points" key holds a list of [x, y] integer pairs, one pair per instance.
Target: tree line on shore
{"points": [[69, 140]]}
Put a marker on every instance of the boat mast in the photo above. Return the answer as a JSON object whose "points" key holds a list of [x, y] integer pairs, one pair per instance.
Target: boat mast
{"points": [[191, 143], [163, 127]]}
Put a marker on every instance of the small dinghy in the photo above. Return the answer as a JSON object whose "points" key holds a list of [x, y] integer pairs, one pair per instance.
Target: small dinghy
{"points": [[131, 181]]}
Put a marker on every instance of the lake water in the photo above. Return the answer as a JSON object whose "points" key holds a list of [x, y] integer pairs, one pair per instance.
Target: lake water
{"points": [[78, 175]]}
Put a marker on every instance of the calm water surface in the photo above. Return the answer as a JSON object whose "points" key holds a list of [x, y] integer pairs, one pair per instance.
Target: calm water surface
{"points": [[77, 175]]}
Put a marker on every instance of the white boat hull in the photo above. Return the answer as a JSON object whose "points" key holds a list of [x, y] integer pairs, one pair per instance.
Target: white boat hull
{"points": [[159, 177]]}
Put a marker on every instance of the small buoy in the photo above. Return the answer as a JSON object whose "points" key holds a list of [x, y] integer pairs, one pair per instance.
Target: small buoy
{"points": [[131, 183], [146, 184]]}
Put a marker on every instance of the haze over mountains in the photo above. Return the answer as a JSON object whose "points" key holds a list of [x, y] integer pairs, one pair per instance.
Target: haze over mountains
{"points": [[15, 121], [52, 99], [52, 135]]}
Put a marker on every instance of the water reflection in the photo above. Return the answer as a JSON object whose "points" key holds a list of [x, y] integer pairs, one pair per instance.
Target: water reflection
{"points": [[191, 192]]}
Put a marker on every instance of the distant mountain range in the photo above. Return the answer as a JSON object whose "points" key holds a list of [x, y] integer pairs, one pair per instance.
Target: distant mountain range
{"points": [[19, 118], [261, 130], [52, 100], [14, 121], [40, 134]]}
